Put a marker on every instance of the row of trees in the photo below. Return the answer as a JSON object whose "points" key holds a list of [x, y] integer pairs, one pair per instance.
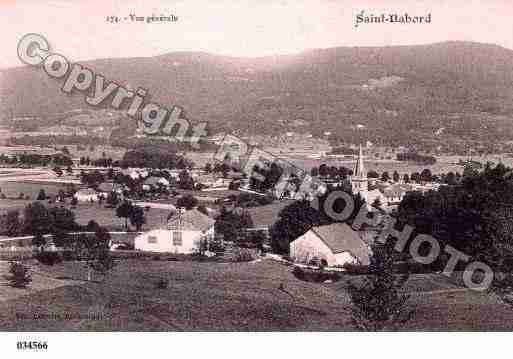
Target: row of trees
{"points": [[35, 159]]}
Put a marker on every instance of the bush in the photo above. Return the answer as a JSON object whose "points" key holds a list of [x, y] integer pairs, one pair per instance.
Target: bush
{"points": [[49, 258], [20, 276], [298, 273], [314, 275], [356, 268], [243, 255]]}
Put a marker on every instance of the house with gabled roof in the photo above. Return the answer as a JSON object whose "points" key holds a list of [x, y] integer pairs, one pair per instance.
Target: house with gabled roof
{"points": [[183, 233], [333, 244]]}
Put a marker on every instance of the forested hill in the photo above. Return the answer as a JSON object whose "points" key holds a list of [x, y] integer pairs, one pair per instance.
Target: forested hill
{"points": [[444, 92]]}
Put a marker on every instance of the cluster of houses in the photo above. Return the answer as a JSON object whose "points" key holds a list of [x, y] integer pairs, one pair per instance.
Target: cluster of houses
{"points": [[334, 244]]}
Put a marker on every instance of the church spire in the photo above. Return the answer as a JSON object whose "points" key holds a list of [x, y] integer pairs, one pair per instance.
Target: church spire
{"points": [[359, 170]]}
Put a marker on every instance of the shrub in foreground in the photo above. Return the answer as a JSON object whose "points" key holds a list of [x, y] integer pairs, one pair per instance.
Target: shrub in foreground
{"points": [[49, 258], [19, 275]]}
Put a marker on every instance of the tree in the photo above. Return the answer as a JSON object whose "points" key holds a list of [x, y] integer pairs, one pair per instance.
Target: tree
{"points": [[376, 203], [208, 167], [395, 176], [378, 304], [187, 201], [426, 176], [38, 240], [385, 177], [231, 223], [406, 178], [185, 181], [372, 174], [19, 275], [11, 224], [123, 211], [95, 250], [323, 170], [112, 199], [38, 219], [62, 218], [58, 171], [137, 217], [60, 237], [42, 195], [314, 171], [92, 179], [450, 179]]}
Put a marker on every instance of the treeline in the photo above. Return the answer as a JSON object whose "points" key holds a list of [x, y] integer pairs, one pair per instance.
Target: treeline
{"points": [[415, 157], [473, 216], [152, 157], [34, 159], [53, 140]]}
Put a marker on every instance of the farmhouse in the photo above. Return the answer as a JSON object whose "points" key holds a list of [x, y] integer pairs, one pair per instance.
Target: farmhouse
{"points": [[336, 243], [183, 234], [86, 195]]}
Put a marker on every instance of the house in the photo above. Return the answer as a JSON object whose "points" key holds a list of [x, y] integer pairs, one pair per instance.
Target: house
{"points": [[336, 243], [154, 182], [182, 234], [107, 187], [86, 195]]}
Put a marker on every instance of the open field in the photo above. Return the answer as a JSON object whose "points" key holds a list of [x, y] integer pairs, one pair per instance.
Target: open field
{"points": [[84, 212], [229, 296], [13, 189]]}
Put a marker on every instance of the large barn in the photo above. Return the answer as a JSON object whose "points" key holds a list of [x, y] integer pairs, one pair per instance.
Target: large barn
{"points": [[183, 234], [336, 244]]}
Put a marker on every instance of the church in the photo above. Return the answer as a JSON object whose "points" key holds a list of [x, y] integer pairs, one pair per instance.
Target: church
{"points": [[359, 181]]}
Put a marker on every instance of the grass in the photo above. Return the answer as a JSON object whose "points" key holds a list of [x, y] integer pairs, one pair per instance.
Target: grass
{"points": [[200, 296], [13, 189], [228, 297], [84, 212]]}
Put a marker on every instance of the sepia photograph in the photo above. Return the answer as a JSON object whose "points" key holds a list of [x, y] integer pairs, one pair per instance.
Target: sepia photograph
{"points": [[306, 168]]}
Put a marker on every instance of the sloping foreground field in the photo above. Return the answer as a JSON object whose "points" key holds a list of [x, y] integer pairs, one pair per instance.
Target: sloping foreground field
{"points": [[225, 297]]}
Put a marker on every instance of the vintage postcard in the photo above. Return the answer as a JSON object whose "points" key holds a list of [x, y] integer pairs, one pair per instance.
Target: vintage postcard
{"points": [[255, 166]]}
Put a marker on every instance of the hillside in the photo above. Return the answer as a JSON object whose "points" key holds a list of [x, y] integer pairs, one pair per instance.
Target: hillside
{"points": [[441, 93]]}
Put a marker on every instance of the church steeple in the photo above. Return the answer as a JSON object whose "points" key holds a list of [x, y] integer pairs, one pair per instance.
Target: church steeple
{"points": [[359, 182], [359, 169]]}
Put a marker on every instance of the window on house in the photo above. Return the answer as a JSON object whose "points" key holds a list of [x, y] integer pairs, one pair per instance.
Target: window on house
{"points": [[152, 239], [177, 238]]}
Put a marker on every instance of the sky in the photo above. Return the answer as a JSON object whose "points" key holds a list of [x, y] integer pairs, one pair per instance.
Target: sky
{"points": [[79, 30]]}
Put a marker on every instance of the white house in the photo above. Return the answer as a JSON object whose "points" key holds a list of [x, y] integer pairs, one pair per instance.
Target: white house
{"points": [[86, 195], [183, 234], [336, 243]]}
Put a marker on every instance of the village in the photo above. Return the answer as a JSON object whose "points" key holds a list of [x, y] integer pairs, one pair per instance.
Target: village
{"points": [[58, 209]]}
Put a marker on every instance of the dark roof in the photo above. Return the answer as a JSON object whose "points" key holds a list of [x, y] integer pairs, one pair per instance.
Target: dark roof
{"points": [[339, 237], [266, 216], [107, 187], [192, 220]]}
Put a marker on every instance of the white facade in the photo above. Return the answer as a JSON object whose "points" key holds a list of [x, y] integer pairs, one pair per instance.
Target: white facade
{"points": [[172, 241], [310, 246], [86, 196]]}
